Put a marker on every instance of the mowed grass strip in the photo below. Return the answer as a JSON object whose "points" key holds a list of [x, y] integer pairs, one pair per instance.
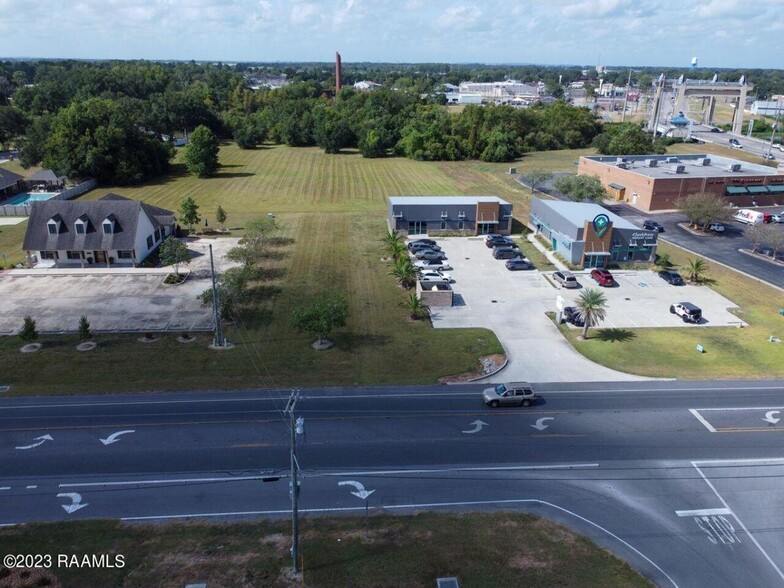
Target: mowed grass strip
{"points": [[730, 352], [480, 549], [323, 252]]}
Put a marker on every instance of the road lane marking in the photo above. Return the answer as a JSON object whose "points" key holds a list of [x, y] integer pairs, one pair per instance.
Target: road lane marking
{"points": [[704, 512], [414, 506], [740, 522], [699, 417], [5, 487], [467, 469], [33, 487], [164, 481]]}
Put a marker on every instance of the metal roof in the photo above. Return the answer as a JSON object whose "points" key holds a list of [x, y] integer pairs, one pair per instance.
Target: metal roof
{"points": [[579, 212], [719, 166], [443, 200]]}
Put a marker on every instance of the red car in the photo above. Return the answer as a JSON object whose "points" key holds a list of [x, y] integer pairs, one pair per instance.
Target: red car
{"points": [[603, 277]]}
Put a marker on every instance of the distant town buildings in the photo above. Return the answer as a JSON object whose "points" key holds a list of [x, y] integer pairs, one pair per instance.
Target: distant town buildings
{"points": [[366, 86]]}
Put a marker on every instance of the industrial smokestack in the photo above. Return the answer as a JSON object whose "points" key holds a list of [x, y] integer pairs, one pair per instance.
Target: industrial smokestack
{"points": [[338, 72]]}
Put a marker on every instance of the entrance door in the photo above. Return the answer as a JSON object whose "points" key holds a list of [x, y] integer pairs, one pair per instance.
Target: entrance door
{"points": [[100, 256], [417, 228], [485, 228]]}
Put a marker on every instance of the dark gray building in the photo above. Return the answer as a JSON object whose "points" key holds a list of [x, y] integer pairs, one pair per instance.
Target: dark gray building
{"points": [[469, 215], [589, 235]]}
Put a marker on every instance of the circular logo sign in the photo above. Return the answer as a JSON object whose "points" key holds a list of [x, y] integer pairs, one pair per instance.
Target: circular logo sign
{"points": [[600, 224]]}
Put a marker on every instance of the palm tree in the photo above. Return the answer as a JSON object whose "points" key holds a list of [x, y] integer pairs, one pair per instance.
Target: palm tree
{"points": [[663, 261], [405, 272], [592, 305], [415, 307], [696, 268], [393, 245]]}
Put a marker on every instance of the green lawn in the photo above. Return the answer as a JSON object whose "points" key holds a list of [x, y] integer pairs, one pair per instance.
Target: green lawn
{"points": [[480, 549]]}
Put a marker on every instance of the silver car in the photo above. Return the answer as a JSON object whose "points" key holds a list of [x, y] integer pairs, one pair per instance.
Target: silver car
{"points": [[566, 279], [510, 394]]}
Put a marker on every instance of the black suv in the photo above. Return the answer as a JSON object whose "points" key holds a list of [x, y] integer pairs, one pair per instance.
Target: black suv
{"points": [[653, 226], [572, 315], [671, 277], [506, 253], [687, 311]]}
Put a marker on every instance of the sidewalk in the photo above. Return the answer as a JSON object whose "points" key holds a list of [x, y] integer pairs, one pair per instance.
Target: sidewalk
{"points": [[547, 253]]}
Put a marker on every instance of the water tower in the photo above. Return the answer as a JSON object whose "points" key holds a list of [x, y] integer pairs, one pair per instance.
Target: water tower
{"points": [[693, 62]]}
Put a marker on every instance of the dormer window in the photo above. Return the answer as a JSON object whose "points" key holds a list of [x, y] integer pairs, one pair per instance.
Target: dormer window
{"points": [[81, 225], [109, 224], [53, 224]]}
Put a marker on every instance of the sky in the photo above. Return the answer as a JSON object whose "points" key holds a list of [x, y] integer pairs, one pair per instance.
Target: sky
{"points": [[720, 33]]}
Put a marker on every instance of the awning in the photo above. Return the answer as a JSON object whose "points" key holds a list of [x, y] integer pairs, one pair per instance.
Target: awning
{"points": [[758, 189], [487, 222], [777, 189], [600, 253], [734, 190], [616, 186]]}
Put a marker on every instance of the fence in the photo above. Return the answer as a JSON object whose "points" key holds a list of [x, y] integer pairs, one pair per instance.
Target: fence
{"points": [[24, 209]]}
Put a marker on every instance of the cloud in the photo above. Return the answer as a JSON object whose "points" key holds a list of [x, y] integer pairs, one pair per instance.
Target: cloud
{"points": [[595, 8], [717, 8], [304, 13], [459, 17]]}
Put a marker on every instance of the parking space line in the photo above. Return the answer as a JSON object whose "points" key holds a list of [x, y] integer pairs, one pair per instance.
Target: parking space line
{"points": [[699, 417], [726, 506], [704, 512]]}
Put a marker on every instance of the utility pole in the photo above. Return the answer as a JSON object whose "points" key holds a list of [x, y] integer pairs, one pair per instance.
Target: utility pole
{"points": [[218, 340], [626, 98], [297, 427]]}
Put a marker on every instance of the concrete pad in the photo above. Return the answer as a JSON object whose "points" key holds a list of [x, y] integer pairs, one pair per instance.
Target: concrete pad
{"points": [[12, 220], [513, 305]]}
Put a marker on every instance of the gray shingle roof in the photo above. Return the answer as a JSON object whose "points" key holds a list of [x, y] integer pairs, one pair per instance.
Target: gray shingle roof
{"points": [[46, 175], [126, 214], [8, 178]]}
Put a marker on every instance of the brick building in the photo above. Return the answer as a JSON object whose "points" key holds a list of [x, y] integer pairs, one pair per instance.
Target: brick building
{"points": [[464, 215], [656, 182]]}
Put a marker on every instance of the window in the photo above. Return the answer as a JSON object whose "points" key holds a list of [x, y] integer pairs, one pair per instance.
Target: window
{"points": [[48, 254], [443, 225], [460, 226], [52, 226], [125, 254], [158, 235], [107, 227], [74, 254], [80, 228], [149, 242]]}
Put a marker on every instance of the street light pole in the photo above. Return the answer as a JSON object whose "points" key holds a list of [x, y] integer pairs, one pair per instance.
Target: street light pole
{"points": [[218, 340]]}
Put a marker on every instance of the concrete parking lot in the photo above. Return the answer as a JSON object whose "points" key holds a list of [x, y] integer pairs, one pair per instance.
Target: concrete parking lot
{"points": [[513, 305], [121, 300]]}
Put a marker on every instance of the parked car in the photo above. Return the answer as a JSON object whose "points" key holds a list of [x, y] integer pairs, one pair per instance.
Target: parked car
{"points": [[429, 254], [651, 225], [717, 227], [778, 217], [431, 279], [566, 279], [490, 236], [507, 253], [425, 241], [573, 316], [518, 264], [418, 246], [434, 275], [497, 244], [432, 264], [511, 394], [671, 277], [603, 277], [496, 241], [687, 311]]}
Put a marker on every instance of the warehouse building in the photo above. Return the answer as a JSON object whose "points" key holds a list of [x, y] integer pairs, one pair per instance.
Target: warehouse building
{"points": [[590, 236], [460, 215], [657, 182]]}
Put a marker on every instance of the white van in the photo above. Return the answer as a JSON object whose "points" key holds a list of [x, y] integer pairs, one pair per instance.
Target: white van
{"points": [[750, 217]]}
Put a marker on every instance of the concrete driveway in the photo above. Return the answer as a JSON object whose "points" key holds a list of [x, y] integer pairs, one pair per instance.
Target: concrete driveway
{"points": [[120, 300], [513, 305]]}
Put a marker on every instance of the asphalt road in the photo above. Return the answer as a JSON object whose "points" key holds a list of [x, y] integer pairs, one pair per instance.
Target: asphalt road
{"points": [[683, 480], [724, 248]]}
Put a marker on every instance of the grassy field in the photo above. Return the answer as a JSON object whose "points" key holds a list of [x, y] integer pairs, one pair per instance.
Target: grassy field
{"points": [[498, 549], [729, 352]]}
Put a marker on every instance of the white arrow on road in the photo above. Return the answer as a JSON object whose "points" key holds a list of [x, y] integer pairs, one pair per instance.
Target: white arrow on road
{"points": [[41, 440], [361, 492], [114, 437], [477, 426], [76, 502], [770, 418], [540, 423]]}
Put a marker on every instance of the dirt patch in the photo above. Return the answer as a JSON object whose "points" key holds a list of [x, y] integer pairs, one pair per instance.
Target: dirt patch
{"points": [[555, 532], [87, 346], [31, 348], [489, 364], [281, 543], [528, 562]]}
